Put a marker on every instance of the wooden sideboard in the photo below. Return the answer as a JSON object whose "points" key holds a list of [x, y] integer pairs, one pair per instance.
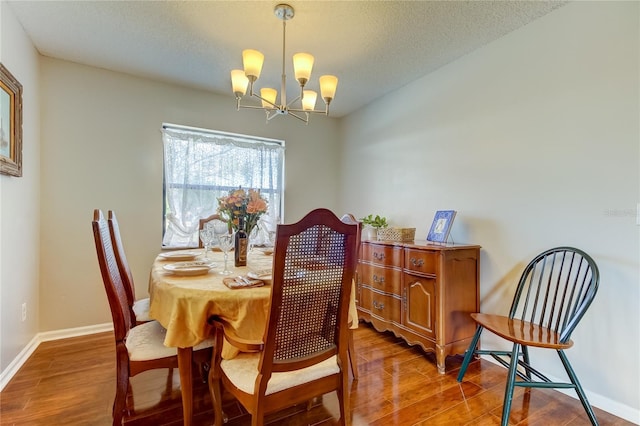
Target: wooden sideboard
{"points": [[421, 292]]}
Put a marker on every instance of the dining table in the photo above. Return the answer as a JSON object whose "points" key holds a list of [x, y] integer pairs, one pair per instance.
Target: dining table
{"points": [[183, 302]]}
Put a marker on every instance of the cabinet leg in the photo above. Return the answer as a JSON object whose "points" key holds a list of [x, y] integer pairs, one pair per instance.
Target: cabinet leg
{"points": [[440, 358]]}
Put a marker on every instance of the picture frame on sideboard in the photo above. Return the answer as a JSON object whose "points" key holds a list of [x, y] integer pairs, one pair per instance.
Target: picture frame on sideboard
{"points": [[441, 226]]}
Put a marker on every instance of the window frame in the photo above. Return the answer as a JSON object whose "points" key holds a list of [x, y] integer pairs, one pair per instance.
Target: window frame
{"points": [[236, 138]]}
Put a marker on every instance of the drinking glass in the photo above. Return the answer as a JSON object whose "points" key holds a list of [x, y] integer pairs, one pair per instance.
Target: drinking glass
{"points": [[226, 243], [253, 236], [218, 227], [206, 236]]}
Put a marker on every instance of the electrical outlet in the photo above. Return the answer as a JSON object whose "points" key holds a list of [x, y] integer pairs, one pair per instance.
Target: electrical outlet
{"points": [[24, 311]]}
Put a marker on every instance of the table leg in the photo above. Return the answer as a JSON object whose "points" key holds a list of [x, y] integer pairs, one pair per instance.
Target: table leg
{"points": [[185, 356]]}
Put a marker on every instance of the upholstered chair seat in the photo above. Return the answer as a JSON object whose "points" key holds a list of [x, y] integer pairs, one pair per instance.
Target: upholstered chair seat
{"points": [[243, 370], [146, 341]]}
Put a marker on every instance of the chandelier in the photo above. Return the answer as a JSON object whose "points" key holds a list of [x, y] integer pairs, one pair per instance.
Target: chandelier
{"points": [[302, 63]]}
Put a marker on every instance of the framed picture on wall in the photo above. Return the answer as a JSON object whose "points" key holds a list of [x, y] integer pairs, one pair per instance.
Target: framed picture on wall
{"points": [[441, 226], [10, 124]]}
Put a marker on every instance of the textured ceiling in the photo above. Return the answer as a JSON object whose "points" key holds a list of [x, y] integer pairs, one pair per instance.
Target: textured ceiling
{"points": [[374, 47]]}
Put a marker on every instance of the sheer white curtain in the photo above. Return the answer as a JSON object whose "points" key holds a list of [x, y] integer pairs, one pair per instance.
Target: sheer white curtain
{"points": [[202, 165]]}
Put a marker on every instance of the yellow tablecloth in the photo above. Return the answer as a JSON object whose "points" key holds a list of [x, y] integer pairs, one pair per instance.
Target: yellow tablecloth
{"points": [[182, 304]]}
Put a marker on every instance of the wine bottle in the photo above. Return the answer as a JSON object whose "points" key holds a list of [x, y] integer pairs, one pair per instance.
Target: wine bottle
{"points": [[241, 244]]}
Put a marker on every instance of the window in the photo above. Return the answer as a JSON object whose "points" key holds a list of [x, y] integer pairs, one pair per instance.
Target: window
{"points": [[202, 165]]}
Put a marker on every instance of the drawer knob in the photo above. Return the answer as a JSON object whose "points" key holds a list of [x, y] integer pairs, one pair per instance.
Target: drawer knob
{"points": [[378, 256], [378, 306], [377, 279], [416, 262]]}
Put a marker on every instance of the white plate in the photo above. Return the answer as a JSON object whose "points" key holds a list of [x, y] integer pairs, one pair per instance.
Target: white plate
{"points": [[179, 255], [199, 267]]}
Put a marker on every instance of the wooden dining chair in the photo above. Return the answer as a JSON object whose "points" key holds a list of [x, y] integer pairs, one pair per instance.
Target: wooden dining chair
{"points": [[303, 353], [553, 294], [138, 347], [353, 361], [139, 308]]}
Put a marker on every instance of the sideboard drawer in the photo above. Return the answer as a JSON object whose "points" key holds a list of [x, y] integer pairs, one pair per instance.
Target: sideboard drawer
{"points": [[423, 261], [384, 279], [382, 254], [381, 305]]}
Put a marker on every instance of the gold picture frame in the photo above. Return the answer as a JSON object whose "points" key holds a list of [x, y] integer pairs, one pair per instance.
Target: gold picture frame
{"points": [[10, 124]]}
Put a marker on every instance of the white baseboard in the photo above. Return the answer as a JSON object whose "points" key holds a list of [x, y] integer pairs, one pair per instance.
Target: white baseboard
{"points": [[13, 367], [75, 332], [11, 370], [596, 400]]}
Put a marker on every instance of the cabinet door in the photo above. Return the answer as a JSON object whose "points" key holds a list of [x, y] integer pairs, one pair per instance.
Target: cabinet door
{"points": [[419, 302]]}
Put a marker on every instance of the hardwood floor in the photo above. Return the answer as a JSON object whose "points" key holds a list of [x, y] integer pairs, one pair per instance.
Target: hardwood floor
{"points": [[72, 382]]}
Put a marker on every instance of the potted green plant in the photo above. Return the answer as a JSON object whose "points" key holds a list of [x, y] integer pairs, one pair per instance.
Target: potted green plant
{"points": [[371, 225]]}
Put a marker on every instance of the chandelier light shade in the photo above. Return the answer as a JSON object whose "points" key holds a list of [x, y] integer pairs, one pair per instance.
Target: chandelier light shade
{"points": [[268, 96], [302, 65], [239, 81], [252, 61], [328, 86], [309, 100]]}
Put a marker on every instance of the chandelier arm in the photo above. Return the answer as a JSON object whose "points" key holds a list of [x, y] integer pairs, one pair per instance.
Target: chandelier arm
{"points": [[253, 107], [292, 102], [303, 119], [255, 95], [271, 114], [315, 111]]}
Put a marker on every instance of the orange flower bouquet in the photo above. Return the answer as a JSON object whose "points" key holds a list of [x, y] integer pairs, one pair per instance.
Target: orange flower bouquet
{"points": [[240, 203]]}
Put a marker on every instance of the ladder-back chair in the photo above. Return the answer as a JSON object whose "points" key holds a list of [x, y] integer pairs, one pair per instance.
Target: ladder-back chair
{"points": [[139, 307], [138, 347], [553, 294]]}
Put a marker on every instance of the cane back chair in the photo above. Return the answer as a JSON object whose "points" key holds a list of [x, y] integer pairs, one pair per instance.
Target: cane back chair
{"points": [[303, 353], [552, 296]]}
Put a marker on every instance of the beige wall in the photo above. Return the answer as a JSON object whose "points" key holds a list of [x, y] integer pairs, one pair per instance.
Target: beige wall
{"points": [[102, 148], [20, 202], [534, 140]]}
